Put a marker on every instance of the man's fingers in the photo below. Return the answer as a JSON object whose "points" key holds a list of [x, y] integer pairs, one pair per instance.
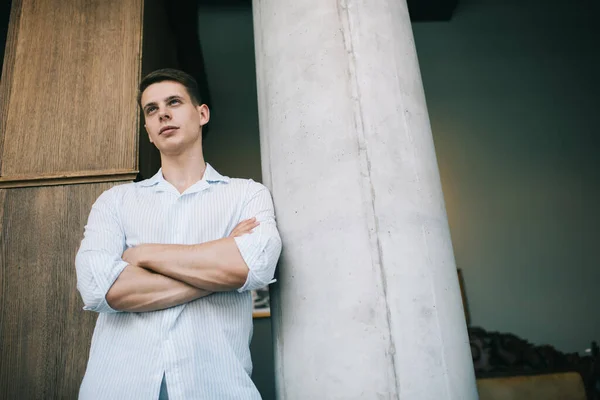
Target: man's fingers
{"points": [[244, 227], [246, 223]]}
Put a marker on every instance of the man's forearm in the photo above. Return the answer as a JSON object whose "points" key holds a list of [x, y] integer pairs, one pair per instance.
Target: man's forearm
{"points": [[213, 266], [140, 290]]}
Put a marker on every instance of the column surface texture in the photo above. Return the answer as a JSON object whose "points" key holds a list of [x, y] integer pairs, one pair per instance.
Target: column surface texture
{"points": [[368, 304]]}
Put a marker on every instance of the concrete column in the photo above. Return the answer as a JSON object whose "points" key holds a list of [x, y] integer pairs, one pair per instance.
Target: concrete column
{"points": [[368, 304]]}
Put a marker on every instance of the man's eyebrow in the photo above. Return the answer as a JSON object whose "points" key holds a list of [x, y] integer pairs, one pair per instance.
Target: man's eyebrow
{"points": [[149, 104], [173, 97]]}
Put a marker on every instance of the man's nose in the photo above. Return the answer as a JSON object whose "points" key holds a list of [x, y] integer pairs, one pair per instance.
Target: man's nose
{"points": [[164, 114]]}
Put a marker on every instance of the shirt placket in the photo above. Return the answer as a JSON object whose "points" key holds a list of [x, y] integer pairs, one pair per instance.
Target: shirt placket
{"points": [[176, 232]]}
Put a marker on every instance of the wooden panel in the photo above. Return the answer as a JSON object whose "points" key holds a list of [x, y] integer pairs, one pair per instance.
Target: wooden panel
{"points": [[44, 333], [72, 91], [68, 179]]}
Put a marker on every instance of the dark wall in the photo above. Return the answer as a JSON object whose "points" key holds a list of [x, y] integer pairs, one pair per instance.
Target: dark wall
{"points": [[5, 7], [513, 95], [262, 357]]}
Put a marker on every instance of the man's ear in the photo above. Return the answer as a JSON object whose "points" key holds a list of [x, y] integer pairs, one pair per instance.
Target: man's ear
{"points": [[204, 114]]}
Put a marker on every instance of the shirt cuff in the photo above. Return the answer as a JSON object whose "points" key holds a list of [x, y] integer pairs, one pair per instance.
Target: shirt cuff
{"points": [[103, 306], [252, 255]]}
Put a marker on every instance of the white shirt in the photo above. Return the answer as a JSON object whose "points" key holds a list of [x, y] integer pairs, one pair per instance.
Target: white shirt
{"points": [[201, 347]]}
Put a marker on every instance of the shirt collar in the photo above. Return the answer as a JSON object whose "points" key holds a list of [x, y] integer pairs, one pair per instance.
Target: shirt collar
{"points": [[210, 176]]}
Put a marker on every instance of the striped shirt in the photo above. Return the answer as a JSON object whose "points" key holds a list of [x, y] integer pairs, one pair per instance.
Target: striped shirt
{"points": [[202, 347]]}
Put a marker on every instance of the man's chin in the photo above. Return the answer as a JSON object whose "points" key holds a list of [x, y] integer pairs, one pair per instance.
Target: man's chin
{"points": [[174, 147], [170, 148]]}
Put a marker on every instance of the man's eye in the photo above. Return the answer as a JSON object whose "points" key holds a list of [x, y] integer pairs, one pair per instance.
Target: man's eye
{"points": [[174, 101]]}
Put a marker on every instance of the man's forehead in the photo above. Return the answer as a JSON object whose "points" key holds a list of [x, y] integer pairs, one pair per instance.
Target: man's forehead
{"points": [[162, 90]]}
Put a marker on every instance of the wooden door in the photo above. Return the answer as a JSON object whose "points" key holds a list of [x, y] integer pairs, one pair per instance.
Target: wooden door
{"points": [[68, 131]]}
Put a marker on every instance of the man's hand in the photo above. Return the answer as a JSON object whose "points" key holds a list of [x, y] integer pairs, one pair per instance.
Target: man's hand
{"points": [[244, 227]]}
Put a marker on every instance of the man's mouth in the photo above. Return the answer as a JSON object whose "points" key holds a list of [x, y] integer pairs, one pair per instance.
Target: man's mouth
{"points": [[168, 129]]}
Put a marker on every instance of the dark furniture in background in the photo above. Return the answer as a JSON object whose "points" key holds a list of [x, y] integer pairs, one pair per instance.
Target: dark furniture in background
{"points": [[498, 354]]}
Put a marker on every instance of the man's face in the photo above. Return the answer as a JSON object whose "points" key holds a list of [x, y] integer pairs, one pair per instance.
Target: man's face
{"points": [[173, 122]]}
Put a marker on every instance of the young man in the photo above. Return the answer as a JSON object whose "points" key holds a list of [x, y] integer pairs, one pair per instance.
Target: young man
{"points": [[168, 264]]}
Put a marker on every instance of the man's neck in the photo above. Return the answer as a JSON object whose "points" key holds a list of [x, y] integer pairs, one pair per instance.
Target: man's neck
{"points": [[184, 170]]}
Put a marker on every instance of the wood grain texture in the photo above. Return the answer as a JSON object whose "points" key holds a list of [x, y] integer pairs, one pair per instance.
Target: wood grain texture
{"points": [[66, 179], [44, 333], [75, 70]]}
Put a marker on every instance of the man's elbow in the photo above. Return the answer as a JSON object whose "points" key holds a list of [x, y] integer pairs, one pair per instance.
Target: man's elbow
{"points": [[258, 276], [264, 270], [91, 302], [260, 262], [94, 301], [92, 288], [114, 299]]}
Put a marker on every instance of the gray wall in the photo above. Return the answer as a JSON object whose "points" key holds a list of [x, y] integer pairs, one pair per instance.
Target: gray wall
{"points": [[512, 91]]}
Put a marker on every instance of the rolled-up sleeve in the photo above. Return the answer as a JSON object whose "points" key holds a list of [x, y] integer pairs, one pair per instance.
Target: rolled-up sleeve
{"points": [[98, 261], [261, 248]]}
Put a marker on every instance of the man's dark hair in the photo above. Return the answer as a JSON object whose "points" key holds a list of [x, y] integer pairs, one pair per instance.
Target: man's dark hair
{"points": [[175, 75]]}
